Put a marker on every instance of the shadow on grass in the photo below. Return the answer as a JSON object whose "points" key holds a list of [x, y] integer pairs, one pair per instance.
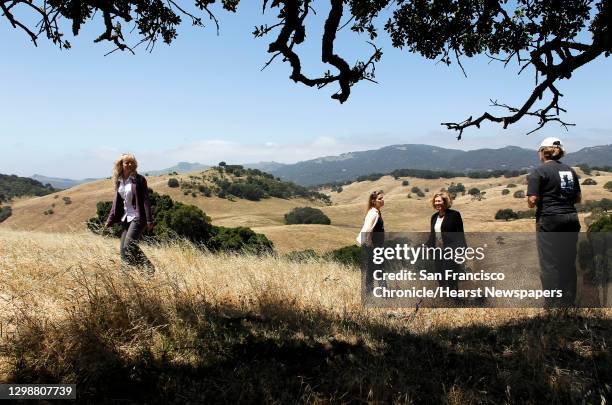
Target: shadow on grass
{"points": [[205, 354]]}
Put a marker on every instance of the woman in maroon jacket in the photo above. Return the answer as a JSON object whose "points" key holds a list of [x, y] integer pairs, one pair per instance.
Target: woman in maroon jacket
{"points": [[132, 209]]}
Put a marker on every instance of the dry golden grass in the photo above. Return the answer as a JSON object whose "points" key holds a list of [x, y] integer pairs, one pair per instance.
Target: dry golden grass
{"points": [[267, 216], [264, 329]]}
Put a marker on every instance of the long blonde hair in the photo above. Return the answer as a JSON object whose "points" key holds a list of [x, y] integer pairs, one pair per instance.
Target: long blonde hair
{"points": [[372, 199], [118, 166]]}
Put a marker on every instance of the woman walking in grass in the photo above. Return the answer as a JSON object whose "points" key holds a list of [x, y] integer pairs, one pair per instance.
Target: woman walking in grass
{"points": [[132, 209]]}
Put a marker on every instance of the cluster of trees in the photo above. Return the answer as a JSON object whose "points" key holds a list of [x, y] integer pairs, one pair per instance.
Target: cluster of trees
{"points": [[608, 186], [234, 181], [589, 182], [177, 220], [588, 170], [15, 186], [253, 184], [306, 215], [441, 174]]}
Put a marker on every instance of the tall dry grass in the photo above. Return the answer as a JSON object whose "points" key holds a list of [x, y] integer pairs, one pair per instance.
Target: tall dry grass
{"points": [[264, 329]]}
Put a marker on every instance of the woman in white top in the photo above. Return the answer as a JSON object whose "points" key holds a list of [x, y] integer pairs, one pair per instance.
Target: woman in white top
{"points": [[372, 235], [132, 209], [372, 231]]}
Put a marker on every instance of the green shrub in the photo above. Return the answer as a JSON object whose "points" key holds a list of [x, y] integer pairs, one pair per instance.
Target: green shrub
{"points": [[5, 212], [306, 215], [589, 182], [204, 190], [505, 191], [506, 214], [415, 190], [239, 240], [246, 190], [474, 191], [511, 185], [519, 194], [603, 224], [608, 186], [348, 255], [405, 183], [172, 182], [67, 200], [190, 222]]}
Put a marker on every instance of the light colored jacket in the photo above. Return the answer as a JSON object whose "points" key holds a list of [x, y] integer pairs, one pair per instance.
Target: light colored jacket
{"points": [[365, 234]]}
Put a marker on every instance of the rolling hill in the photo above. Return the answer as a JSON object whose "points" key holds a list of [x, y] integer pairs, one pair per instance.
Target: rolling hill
{"points": [[267, 215]]}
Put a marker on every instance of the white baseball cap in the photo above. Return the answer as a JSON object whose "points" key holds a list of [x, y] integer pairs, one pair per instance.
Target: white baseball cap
{"points": [[551, 141]]}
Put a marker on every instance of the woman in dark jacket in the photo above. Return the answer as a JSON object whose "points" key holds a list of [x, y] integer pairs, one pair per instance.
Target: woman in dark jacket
{"points": [[132, 209], [446, 230]]}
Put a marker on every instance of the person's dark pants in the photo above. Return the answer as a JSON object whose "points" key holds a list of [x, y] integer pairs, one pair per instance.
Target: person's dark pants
{"points": [[441, 267], [129, 249], [557, 237]]}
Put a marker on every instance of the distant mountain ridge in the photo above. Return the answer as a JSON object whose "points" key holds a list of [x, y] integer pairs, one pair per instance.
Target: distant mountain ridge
{"points": [[348, 166], [59, 183]]}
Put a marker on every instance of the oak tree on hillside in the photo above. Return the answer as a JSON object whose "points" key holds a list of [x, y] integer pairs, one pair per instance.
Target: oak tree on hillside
{"points": [[553, 38]]}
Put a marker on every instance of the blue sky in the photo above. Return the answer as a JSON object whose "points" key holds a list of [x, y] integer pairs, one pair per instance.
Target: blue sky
{"points": [[70, 113]]}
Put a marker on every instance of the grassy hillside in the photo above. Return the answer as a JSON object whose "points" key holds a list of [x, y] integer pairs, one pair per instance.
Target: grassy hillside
{"points": [[266, 216], [210, 328]]}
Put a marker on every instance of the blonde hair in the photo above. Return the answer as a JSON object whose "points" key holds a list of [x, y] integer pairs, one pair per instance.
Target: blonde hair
{"points": [[552, 152], [372, 199], [448, 200], [118, 166]]}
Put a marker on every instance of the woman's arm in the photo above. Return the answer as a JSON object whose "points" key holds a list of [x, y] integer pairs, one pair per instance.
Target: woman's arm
{"points": [[368, 225], [111, 215], [147, 203]]}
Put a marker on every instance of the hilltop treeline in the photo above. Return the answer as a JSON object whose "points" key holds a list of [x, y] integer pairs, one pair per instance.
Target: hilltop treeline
{"points": [[234, 181], [15, 186], [174, 220], [430, 175]]}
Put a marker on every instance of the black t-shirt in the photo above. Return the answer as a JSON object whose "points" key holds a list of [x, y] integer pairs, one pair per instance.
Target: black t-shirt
{"points": [[556, 185]]}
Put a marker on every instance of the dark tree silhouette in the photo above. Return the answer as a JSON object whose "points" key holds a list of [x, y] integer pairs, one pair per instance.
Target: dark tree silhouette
{"points": [[555, 38]]}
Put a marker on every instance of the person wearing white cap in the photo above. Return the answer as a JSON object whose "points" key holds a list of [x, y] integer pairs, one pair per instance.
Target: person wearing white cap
{"points": [[553, 189]]}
